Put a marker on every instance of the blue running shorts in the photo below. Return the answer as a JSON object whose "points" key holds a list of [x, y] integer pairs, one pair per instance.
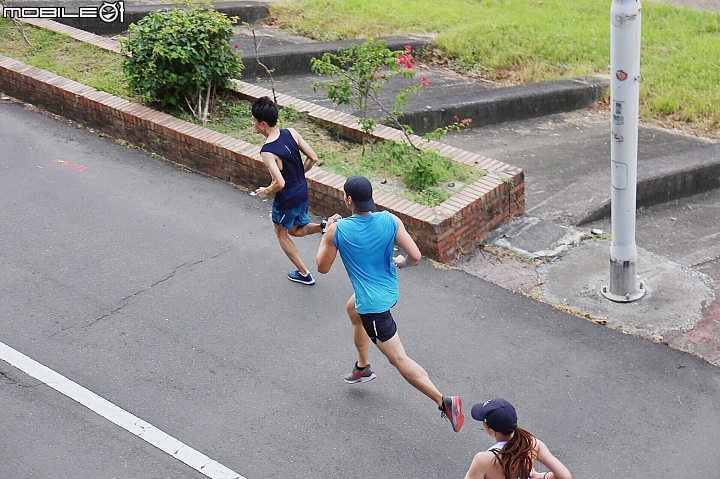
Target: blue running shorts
{"points": [[293, 217]]}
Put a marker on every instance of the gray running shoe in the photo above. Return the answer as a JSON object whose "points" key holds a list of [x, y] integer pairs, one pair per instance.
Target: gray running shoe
{"points": [[451, 409], [359, 375]]}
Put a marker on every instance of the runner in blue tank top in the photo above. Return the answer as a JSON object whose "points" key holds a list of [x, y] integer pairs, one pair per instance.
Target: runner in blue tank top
{"points": [[281, 154], [365, 241]]}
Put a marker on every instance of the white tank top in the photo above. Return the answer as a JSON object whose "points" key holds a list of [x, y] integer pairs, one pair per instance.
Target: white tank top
{"points": [[498, 447]]}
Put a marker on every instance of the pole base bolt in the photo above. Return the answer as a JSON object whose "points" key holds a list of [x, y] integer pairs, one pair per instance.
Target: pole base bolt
{"points": [[623, 298]]}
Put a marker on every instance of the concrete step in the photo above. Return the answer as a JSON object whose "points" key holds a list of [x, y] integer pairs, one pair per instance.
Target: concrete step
{"points": [[133, 11], [448, 97]]}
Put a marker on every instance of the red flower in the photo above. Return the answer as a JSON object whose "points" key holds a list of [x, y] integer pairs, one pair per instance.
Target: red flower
{"points": [[405, 59], [237, 46]]}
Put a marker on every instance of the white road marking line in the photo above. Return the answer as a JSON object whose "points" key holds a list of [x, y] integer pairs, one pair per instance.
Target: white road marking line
{"points": [[180, 451]]}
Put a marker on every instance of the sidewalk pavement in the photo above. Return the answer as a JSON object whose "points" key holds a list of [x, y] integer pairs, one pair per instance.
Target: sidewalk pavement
{"points": [[559, 135]]}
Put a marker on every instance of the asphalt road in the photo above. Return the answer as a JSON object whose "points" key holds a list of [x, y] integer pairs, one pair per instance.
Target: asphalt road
{"points": [[164, 292]]}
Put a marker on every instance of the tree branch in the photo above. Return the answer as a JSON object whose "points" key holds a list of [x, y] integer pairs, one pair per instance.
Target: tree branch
{"points": [[394, 118], [18, 25], [257, 59]]}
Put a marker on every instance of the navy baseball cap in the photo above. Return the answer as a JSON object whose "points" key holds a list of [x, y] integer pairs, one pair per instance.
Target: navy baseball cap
{"points": [[498, 414], [361, 191]]}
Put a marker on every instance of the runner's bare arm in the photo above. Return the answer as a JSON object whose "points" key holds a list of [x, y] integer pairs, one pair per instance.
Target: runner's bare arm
{"points": [[311, 156], [557, 468], [327, 252], [278, 182], [405, 241]]}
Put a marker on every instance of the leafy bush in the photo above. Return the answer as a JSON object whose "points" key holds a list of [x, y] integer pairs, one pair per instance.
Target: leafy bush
{"points": [[423, 174], [420, 170], [181, 55]]}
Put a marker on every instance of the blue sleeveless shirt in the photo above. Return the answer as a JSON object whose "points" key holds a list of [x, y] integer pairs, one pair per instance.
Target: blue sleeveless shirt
{"points": [[295, 192], [365, 244]]}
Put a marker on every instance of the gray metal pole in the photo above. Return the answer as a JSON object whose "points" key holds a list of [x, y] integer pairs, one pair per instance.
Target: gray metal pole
{"points": [[625, 79]]}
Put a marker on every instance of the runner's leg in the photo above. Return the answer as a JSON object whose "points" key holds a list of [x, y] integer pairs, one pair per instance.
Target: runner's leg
{"points": [[409, 369], [287, 245], [308, 229], [360, 337]]}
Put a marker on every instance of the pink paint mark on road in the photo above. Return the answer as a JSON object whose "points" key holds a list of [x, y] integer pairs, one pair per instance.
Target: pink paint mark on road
{"points": [[72, 166]]}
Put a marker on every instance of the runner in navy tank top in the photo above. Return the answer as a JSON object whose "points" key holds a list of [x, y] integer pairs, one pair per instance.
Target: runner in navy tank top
{"points": [[281, 155]]}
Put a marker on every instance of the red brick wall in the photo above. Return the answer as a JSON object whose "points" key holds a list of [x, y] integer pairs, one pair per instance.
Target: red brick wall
{"points": [[456, 225]]}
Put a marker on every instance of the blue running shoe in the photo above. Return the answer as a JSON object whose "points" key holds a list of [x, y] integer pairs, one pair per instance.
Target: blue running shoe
{"points": [[299, 278]]}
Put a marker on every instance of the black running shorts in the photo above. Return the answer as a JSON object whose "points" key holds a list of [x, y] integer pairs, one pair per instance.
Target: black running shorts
{"points": [[379, 326]]}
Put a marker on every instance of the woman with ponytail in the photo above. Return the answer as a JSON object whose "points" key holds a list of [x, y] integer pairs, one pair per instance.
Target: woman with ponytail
{"points": [[516, 450]]}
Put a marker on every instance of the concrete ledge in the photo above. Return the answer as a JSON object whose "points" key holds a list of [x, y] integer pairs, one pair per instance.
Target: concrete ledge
{"points": [[699, 171], [660, 179], [294, 59], [442, 233], [249, 12], [97, 40], [498, 105]]}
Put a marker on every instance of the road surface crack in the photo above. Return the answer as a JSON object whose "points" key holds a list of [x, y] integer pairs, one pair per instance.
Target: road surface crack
{"points": [[126, 300]]}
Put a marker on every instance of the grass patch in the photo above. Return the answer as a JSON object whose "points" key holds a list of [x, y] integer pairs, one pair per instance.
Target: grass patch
{"points": [[521, 41], [102, 70], [66, 57]]}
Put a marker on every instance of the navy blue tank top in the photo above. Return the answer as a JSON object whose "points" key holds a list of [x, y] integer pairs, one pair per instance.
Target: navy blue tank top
{"points": [[295, 192]]}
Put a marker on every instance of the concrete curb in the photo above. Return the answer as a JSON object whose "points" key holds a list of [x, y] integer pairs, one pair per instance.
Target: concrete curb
{"points": [[660, 179], [249, 12], [294, 59], [505, 104]]}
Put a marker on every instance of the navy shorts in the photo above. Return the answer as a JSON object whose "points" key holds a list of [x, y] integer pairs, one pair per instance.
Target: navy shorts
{"points": [[379, 326], [293, 217]]}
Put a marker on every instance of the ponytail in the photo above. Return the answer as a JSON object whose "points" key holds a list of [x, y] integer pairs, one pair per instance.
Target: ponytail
{"points": [[518, 455]]}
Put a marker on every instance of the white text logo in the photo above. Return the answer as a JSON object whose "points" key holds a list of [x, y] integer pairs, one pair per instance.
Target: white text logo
{"points": [[107, 12]]}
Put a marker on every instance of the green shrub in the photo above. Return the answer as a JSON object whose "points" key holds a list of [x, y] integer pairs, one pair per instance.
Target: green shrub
{"points": [[358, 73], [423, 174], [181, 57]]}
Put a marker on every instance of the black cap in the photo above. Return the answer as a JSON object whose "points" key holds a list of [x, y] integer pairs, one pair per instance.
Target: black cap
{"points": [[360, 190]]}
